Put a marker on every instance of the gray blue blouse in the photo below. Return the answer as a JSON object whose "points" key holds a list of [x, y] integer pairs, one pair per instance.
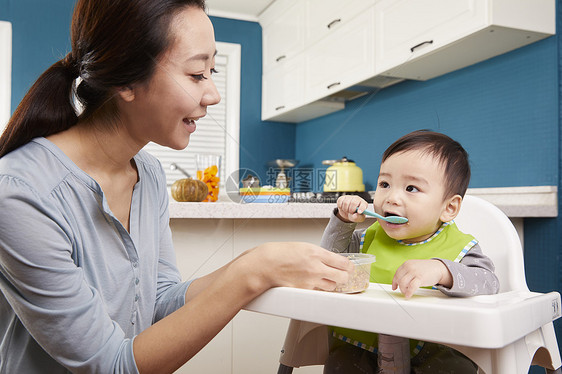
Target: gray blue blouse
{"points": [[76, 287]]}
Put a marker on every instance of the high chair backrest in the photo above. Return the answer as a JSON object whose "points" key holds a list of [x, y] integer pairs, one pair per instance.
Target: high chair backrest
{"points": [[497, 238]]}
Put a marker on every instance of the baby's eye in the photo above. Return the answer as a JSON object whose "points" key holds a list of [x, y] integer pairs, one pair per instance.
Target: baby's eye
{"points": [[384, 185], [412, 189]]}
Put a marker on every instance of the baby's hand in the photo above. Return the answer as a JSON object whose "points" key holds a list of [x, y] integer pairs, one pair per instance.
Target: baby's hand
{"points": [[347, 206], [414, 274]]}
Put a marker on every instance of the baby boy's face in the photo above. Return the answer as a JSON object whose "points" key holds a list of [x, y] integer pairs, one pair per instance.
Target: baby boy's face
{"points": [[411, 184]]}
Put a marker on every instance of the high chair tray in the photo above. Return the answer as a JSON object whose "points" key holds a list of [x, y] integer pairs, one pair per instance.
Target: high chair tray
{"points": [[490, 321]]}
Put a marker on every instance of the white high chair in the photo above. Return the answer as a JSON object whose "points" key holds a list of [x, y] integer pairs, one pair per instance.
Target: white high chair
{"points": [[306, 343]]}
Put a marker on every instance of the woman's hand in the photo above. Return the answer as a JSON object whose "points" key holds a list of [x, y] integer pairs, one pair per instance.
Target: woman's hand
{"points": [[349, 205], [297, 264], [414, 274]]}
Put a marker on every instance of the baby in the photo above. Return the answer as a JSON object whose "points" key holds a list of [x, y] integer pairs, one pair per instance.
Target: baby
{"points": [[423, 177]]}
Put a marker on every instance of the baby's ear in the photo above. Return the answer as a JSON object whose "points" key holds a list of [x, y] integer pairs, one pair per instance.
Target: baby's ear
{"points": [[451, 209]]}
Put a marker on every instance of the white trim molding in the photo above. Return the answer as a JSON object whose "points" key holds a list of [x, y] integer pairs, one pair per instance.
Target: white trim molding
{"points": [[233, 53], [5, 72]]}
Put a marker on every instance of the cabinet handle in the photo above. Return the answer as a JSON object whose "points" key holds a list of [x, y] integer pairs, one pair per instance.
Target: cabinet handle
{"points": [[333, 23], [280, 107], [333, 85], [419, 45], [280, 58]]}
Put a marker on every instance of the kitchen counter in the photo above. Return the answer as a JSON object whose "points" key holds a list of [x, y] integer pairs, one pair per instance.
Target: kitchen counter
{"points": [[539, 201]]}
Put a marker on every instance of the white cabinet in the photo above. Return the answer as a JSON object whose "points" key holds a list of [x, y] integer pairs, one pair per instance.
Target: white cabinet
{"points": [[283, 32], [331, 50], [326, 16], [344, 58], [283, 87], [423, 39], [252, 342], [283, 90], [412, 28], [315, 50]]}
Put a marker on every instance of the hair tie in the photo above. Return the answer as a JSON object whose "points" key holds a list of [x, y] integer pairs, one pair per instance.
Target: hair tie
{"points": [[70, 64]]}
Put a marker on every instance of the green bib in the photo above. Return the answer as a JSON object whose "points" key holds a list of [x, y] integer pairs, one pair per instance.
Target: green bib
{"points": [[447, 243]]}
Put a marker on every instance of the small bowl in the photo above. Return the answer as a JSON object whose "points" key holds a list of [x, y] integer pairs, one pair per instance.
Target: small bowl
{"points": [[359, 280]]}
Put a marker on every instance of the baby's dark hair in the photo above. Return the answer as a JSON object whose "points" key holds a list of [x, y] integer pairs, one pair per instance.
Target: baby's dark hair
{"points": [[449, 152]]}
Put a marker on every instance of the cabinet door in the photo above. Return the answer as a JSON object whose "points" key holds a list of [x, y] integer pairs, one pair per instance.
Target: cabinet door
{"points": [[406, 29], [342, 59], [283, 36], [282, 87], [325, 16], [201, 248]]}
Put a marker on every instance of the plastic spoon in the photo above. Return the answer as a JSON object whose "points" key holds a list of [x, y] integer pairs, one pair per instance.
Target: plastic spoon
{"points": [[391, 219]]}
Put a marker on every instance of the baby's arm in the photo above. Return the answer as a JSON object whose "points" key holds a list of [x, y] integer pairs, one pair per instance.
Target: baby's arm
{"points": [[473, 275], [340, 236]]}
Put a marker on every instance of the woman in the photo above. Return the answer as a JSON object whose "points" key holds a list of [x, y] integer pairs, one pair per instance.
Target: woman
{"points": [[87, 268]]}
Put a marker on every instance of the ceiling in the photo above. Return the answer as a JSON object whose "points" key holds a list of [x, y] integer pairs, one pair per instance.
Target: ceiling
{"points": [[238, 9]]}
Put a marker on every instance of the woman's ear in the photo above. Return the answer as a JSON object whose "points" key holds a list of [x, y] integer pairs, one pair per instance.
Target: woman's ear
{"points": [[126, 93], [451, 209]]}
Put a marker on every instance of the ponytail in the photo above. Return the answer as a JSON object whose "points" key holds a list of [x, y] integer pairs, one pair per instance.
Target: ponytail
{"points": [[46, 109]]}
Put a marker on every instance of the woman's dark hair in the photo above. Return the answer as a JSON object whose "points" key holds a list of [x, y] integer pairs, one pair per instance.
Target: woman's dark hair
{"points": [[115, 43], [449, 153]]}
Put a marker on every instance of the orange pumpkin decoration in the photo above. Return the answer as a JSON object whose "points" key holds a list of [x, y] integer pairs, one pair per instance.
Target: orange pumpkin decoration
{"points": [[188, 189]]}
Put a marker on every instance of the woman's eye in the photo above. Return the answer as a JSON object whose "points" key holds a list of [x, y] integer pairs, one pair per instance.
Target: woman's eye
{"points": [[412, 189], [200, 77]]}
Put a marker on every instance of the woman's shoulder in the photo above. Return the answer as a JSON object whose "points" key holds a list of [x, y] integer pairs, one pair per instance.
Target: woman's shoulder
{"points": [[27, 169], [35, 165], [29, 162]]}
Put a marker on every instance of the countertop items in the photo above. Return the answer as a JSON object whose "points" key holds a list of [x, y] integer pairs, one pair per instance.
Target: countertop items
{"points": [[539, 201]]}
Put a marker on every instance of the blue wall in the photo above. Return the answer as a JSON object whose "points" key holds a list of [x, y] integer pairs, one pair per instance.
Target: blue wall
{"points": [[40, 37], [506, 111]]}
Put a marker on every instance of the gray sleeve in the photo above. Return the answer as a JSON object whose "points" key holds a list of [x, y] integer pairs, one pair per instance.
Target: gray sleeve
{"points": [[341, 236], [473, 275]]}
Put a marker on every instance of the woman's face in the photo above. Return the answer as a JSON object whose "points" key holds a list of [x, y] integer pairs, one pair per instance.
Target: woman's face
{"points": [[165, 109]]}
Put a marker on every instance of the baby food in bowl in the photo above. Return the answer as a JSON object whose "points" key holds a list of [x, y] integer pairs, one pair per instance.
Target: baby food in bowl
{"points": [[359, 280]]}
